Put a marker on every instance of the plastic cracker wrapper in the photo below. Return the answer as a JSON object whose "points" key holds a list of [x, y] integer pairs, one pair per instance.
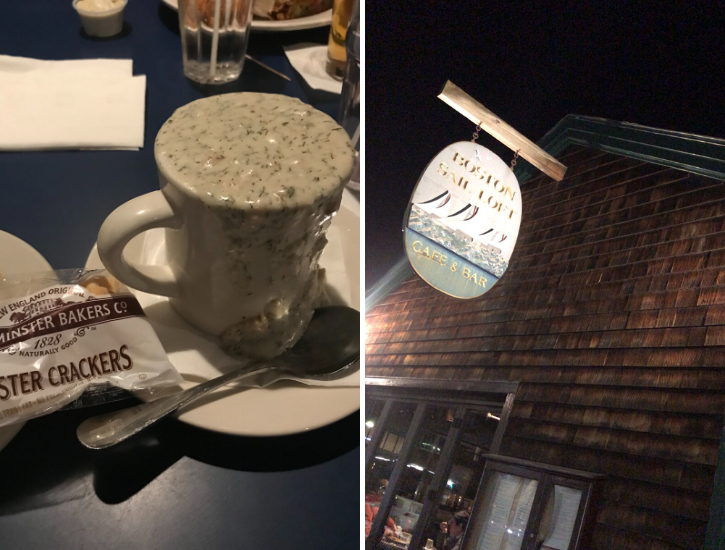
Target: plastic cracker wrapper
{"points": [[64, 331]]}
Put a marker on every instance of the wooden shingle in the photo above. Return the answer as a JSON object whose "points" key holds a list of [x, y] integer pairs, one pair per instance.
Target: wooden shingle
{"points": [[611, 317]]}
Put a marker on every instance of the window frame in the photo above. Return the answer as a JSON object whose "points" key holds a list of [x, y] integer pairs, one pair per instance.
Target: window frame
{"points": [[548, 476], [460, 395]]}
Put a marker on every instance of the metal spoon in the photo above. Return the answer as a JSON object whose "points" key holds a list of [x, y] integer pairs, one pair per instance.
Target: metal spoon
{"points": [[330, 344]]}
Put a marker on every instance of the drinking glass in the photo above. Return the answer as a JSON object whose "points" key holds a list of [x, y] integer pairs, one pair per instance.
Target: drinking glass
{"points": [[214, 36], [336, 55], [349, 114]]}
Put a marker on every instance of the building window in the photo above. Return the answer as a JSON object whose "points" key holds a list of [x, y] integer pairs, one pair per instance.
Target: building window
{"points": [[529, 506], [425, 448]]}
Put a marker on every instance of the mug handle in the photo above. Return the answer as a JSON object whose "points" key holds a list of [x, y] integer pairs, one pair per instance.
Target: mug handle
{"points": [[146, 212]]}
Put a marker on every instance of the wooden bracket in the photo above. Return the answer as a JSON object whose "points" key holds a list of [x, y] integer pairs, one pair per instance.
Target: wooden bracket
{"points": [[506, 134]]}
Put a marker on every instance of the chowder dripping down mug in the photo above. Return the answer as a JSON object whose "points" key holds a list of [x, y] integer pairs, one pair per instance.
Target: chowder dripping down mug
{"points": [[248, 185]]}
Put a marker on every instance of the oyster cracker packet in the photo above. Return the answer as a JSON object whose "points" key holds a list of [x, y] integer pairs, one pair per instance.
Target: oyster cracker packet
{"points": [[64, 331]]}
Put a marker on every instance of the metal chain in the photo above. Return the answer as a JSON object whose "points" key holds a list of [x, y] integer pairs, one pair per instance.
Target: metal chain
{"points": [[475, 137], [475, 132]]}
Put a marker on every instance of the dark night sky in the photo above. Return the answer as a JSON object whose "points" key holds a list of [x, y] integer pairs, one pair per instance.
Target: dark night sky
{"points": [[531, 65]]}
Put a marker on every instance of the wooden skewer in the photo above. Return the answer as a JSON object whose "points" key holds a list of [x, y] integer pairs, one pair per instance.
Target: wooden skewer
{"points": [[270, 69]]}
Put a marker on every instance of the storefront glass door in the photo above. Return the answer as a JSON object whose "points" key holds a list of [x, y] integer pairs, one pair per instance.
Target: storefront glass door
{"points": [[464, 474], [420, 467], [425, 464]]}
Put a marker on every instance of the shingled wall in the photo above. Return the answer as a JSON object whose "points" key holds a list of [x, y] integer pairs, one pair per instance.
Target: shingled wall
{"points": [[612, 317]]}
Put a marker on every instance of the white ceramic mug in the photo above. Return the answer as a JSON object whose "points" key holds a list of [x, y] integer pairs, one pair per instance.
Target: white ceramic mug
{"points": [[197, 279], [234, 269]]}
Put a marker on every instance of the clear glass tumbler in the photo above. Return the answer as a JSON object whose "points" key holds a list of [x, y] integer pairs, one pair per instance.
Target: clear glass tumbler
{"points": [[214, 36], [349, 113]]}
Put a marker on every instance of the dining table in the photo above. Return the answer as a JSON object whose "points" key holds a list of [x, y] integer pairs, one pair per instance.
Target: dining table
{"points": [[174, 485]]}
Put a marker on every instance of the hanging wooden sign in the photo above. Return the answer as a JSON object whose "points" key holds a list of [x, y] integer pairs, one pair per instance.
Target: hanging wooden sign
{"points": [[463, 220], [505, 133]]}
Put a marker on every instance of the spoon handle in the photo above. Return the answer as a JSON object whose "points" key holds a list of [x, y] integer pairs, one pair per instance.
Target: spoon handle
{"points": [[105, 430]]}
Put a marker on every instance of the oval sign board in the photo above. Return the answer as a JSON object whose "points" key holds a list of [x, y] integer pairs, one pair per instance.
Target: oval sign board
{"points": [[463, 220]]}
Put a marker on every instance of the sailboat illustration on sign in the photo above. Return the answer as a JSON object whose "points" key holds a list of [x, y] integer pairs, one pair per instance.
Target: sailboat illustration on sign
{"points": [[468, 201]]}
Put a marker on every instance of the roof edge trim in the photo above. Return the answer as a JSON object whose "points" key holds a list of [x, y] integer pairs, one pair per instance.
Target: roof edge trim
{"points": [[689, 152]]}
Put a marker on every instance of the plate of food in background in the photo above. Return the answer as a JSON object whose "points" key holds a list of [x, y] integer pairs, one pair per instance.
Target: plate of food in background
{"points": [[281, 15]]}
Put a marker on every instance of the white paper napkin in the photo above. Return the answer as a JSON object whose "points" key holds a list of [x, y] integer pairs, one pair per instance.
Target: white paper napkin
{"points": [[309, 60], [74, 104]]}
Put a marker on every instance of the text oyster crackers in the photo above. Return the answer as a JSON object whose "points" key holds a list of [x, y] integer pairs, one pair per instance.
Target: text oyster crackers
{"points": [[272, 170], [58, 338]]}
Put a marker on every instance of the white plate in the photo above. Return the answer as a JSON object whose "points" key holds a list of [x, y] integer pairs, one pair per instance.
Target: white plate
{"points": [[312, 22], [16, 257], [286, 407]]}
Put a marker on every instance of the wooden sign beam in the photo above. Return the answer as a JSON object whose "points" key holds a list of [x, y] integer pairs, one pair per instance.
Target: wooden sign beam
{"points": [[506, 134]]}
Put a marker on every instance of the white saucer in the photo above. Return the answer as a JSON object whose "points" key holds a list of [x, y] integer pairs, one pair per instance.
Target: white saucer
{"points": [[286, 407], [16, 257], [312, 22]]}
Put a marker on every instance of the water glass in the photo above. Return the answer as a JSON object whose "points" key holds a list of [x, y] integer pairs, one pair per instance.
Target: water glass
{"points": [[349, 114], [214, 36]]}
